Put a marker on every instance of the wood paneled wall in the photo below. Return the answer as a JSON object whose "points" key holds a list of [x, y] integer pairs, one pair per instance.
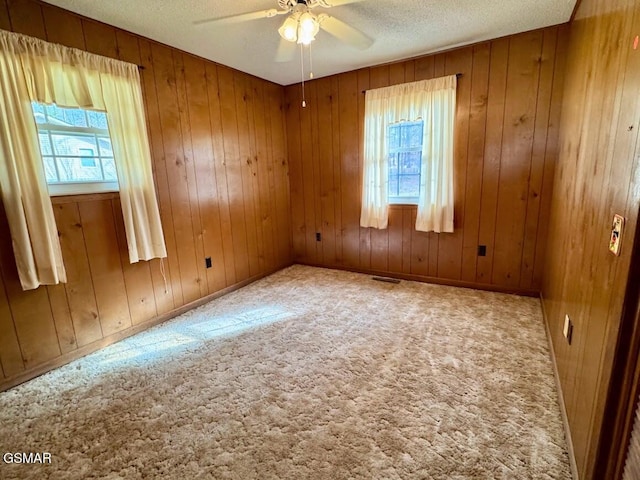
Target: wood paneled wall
{"points": [[220, 165], [597, 176], [509, 98]]}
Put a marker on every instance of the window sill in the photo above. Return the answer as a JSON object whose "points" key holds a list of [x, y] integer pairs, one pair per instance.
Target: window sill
{"points": [[83, 197]]}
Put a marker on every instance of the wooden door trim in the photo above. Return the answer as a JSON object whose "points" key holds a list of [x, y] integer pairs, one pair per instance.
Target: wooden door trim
{"points": [[624, 389]]}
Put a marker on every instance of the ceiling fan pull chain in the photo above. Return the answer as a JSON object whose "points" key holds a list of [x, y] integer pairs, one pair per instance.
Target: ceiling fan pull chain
{"points": [[304, 103], [310, 63]]}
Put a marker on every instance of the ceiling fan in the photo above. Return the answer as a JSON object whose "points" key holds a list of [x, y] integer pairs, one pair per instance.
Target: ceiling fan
{"points": [[301, 24]]}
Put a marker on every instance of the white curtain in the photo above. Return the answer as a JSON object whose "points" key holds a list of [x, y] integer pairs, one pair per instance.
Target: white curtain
{"points": [[52, 73], [434, 102], [22, 183]]}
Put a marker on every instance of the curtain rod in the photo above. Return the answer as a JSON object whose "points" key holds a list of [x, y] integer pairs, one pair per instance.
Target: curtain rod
{"points": [[457, 75]]}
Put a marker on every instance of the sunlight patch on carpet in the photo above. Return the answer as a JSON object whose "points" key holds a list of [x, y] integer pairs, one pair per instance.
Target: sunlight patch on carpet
{"points": [[196, 329]]}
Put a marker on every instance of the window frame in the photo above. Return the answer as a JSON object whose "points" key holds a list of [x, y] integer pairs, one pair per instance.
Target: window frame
{"points": [[62, 188], [404, 200]]}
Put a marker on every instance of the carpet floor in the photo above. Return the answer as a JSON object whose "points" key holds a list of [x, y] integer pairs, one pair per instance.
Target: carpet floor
{"points": [[307, 374]]}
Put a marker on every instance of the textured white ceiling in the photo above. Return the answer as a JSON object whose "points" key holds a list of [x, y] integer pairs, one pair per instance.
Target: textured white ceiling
{"points": [[401, 29]]}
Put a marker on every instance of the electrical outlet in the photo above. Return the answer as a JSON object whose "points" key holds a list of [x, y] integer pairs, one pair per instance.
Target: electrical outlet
{"points": [[482, 250], [567, 330], [207, 262], [318, 237]]}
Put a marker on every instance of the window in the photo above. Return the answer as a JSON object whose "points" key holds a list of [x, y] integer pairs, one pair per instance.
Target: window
{"points": [[395, 118], [76, 150], [405, 161]]}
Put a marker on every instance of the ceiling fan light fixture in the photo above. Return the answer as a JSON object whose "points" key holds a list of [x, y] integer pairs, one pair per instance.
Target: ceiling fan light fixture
{"points": [[308, 28], [289, 29]]}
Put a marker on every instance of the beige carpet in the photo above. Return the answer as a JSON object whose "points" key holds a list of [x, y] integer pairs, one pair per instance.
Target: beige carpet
{"points": [[307, 374]]}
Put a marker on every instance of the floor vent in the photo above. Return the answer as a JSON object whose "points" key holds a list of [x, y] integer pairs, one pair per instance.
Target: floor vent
{"points": [[386, 279]]}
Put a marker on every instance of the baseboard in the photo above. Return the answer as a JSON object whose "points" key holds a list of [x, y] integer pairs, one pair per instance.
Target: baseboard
{"points": [[563, 409], [425, 279], [42, 368]]}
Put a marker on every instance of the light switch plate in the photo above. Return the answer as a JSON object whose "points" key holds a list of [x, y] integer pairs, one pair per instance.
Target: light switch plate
{"points": [[616, 234]]}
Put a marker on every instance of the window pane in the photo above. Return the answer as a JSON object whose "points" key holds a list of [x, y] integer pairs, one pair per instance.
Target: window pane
{"points": [[409, 185], [38, 112], [393, 186], [71, 170], [75, 117], [97, 119], [55, 114], [414, 135], [72, 149], [393, 165], [50, 170], [109, 168], [394, 137], [74, 144], [66, 116], [106, 150], [410, 162], [45, 144]]}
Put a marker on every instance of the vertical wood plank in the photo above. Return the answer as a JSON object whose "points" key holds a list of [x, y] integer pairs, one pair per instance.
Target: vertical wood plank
{"points": [[308, 171], [492, 155], [538, 154], [219, 166], [420, 241], [253, 103], [30, 310], [101, 242], [62, 318], [407, 228], [167, 297], [138, 283], [265, 201], [365, 233], [26, 18], [232, 160], [379, 77], [5, 21], [325, 161], [10, 354], [281, 165], [337, 162], [271, 170], [79, 287], [63, 27], [100, 38], [519, 117], [419, 249], [394, 239], [246, 169], [450, 246], [294, 142], [190, 172], [434, 238], [348, 91], [396, 226], [315, 163], [550, 155], [178, 195], [204, 172], [475, 160], [129, 51]]}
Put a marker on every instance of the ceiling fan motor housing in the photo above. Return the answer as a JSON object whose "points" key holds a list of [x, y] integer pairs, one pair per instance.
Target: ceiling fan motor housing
{"points": [[292, 4]]}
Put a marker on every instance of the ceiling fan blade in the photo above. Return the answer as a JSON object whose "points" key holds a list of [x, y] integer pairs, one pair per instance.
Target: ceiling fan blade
{"points": [[243, 17], [345, 33], [338, 3], [286, 51]]}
